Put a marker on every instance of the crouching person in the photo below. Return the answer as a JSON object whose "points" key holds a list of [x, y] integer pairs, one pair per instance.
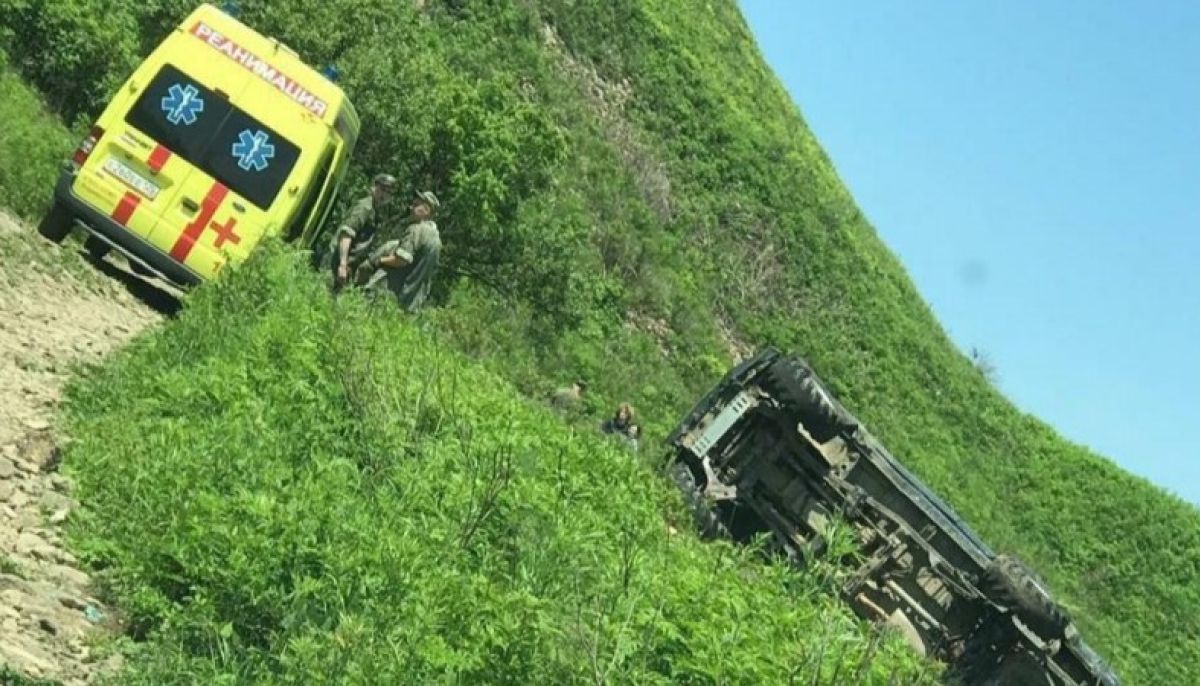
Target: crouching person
{"points": [[404, 269]]}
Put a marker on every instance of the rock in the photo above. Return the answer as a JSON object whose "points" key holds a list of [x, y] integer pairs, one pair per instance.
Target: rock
{"points": [[23, 660], [29, 482], [27, 466], [60, 516], [37, 424], [48, 626], [61, 484], [38, 452], [26, 519], [33, 546], [6, 490], [13, 590], [68, 576], [7, 469], [72, 603], [13, 597], [54, 501], [18, 499]]}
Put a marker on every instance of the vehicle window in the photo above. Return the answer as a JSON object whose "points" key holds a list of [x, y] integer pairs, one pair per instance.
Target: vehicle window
{"points": [[204, 128], [179, 113], [342, 126], [250, 158]]}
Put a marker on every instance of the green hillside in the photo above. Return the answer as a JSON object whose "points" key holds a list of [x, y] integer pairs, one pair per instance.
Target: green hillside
{"points": [[286, 490], [631, 195]]}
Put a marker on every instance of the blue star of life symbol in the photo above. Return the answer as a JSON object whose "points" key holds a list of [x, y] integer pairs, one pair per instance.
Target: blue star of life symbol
{"points": [[182, 105], [253, 151]]}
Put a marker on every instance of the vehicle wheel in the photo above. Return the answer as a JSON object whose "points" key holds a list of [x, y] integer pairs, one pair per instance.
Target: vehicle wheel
{"points": [[1012, 585], [798, 389], [96, 248], [56, 225], [705, 518]]}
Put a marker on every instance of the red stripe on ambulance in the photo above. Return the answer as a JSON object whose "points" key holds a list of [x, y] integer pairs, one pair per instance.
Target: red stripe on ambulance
{"points": [[125, 207], [158, 158], [208, 207]]}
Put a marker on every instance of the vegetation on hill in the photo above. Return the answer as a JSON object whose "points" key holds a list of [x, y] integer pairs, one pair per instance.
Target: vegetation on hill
{"points": [[287, 489], [631, 196], [33, 144]]}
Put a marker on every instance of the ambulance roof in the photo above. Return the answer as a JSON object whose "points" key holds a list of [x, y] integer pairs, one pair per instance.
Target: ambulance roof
{"points": [[277, 65]]}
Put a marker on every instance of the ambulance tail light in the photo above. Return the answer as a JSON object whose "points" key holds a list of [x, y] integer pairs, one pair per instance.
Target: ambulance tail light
{"points": [[87, 146]]}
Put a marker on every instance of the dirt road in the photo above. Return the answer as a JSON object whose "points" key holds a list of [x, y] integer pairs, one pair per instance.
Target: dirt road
{"points": [[55, 310]]}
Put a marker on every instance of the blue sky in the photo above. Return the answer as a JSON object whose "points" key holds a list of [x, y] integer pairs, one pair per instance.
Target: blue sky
{"points": [[1036, 166]]}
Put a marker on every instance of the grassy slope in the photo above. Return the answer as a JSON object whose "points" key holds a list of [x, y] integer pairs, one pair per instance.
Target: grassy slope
{"points": [[1122, 553], [624, 222], [32, 144], [261, 516], [287, 489]]}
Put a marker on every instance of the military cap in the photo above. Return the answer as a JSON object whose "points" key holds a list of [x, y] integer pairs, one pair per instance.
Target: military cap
{"points": [[430, 198], [385, 180]]}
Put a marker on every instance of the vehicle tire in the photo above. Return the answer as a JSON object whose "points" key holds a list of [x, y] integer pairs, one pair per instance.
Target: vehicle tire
{"points": [[799, 390], [705, 517], [96, 248], [56, 224], [1012, 585]]}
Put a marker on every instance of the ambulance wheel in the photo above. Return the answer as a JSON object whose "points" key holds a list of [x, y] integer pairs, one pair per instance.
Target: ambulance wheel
{"points": [[56, 225], [96, 248]]}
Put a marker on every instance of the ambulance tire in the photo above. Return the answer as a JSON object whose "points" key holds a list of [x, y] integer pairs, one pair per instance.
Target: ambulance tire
{"points": [[57, 224], [96, 248]]}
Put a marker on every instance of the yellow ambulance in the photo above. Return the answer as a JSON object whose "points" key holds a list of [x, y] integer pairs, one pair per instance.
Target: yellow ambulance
{"points": [[222, 136]]}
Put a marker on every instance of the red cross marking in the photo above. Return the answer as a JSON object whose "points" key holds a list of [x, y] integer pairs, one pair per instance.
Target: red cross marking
{"points": [[225, 232], [208, 207]]}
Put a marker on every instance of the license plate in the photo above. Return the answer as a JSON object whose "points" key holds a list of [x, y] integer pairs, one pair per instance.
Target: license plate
{"points": [[131, 178]]}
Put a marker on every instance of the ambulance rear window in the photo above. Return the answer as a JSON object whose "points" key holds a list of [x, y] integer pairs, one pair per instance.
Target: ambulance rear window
{"points": [[203, 127]]}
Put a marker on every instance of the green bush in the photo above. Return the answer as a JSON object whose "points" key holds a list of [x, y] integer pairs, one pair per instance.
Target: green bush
{"points": [[77, 53], [33, 145]]}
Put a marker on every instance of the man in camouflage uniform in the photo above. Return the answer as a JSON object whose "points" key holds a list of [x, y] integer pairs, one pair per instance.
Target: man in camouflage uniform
{"points": [[405, 268], [353, 238]]}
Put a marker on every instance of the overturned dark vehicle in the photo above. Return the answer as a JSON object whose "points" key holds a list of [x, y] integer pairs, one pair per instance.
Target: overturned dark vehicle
{"points": [[770, 455]]}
